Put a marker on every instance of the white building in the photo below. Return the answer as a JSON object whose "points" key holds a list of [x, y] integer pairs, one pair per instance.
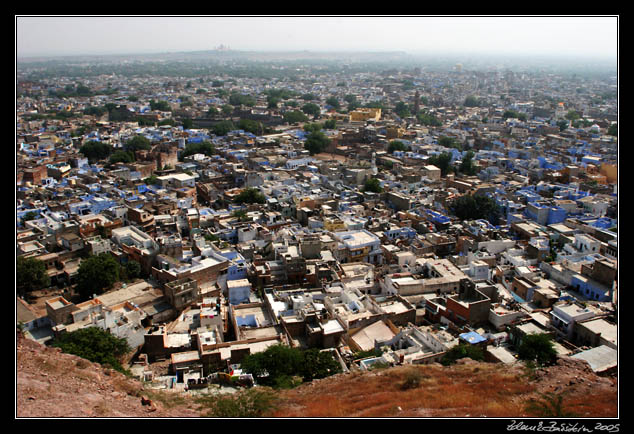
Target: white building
{"points": [[238, 291]]}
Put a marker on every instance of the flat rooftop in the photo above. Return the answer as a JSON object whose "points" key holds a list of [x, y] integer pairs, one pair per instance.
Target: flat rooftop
{"points": [[599, 358]]}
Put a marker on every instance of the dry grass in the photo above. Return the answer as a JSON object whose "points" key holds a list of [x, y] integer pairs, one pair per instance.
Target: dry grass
{"points": [[412, 390], [167, 399]]}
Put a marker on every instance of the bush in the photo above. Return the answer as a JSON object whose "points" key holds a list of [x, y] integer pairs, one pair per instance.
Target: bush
{"points": [[413, 378], [255, 402], [94, 344], [537, 348], [550, 405], [462, 351]]}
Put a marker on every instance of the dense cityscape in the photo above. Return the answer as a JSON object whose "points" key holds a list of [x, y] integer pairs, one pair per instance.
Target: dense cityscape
{"points": [[208, 214]]}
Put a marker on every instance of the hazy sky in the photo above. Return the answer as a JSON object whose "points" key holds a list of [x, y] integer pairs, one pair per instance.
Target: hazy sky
{"points": [[595, 36]]}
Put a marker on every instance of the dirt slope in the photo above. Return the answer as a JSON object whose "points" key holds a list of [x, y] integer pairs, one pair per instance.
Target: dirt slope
{"points": [[54, 384]]}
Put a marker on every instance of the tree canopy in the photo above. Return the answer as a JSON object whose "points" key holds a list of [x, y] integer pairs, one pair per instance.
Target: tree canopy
{"points": [[471, 101], [137, 143], [222, 128], [372, 185], [251, 126], [162, 106], [442, 161], [96, 274], [279, 363], [311, 109], [537, 348], [397, 145], [203, 147], [95, 151], [316, 142], [236, 99], [474, 207], [460, 352], [334, 102], [294, 116], [94, 344], [30, 275], [122, 157], [250, 195], [402, 109], [613, 130], [466, 166]]}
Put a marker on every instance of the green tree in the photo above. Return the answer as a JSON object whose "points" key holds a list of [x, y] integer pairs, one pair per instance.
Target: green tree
{"points": [[311, 127], [31, 215], [428, 119], [449, 142], [187, 123], [397, 145], [466, 166], [318, 364], [537, 348], [227, 109], [162, 106], [372, 185], [96, 274], [330, 124], [316, 142], [334, 102], [152, 180], [137, 143], [272, 101], [94, 344], [311, 109], [122, 157], [563, 125], [613, 130], [278, 364], [461, 351], [475, 207], [572, 115], [132, 269], [222, 128], [95, 151], [30, 275], [294, 116], [250, 195], [471, 101], [251, 126], [402, 109], [353, 104], [204, 147], [236, 99], [442, 161]]}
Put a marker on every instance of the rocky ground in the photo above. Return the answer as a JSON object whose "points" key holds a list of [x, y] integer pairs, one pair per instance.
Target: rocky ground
{"points": [[51, 384]]}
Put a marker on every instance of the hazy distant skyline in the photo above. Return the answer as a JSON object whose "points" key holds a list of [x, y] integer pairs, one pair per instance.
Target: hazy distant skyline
{"points": [[566, 36]]}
